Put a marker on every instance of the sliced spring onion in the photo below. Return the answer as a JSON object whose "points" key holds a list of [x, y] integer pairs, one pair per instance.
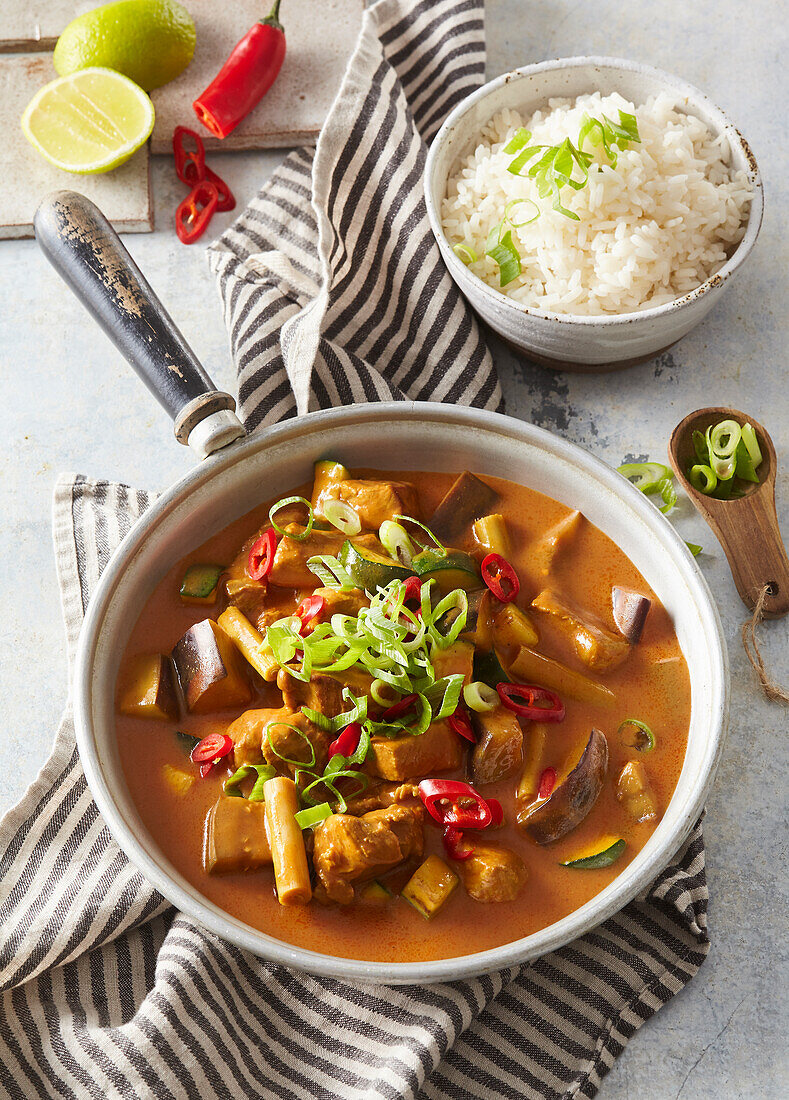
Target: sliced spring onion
{"points": [[340, 515], [506, 255], [723, 438], [312, 815], [751, 442], [428, 532], [745, 468], [263, 772], [694, 548], [527, 221], [702, 478], [383, 694], [287, 759], [283, 504], [646, 476], [394, 539], [643, 738], [480, 697], [701, 448], [518, 141], [723, 468], [330, 572], [668, 493], [465, 253]]}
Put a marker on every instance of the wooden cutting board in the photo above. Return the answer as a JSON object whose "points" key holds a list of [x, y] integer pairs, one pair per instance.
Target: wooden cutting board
{"points": [[123, 195], [321, 35]]}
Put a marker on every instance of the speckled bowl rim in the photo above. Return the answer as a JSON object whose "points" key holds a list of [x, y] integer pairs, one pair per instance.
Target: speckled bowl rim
{"points": [[674, 85]]}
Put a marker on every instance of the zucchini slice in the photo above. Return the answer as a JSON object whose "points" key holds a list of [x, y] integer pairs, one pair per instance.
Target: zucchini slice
{"points": [[430, 887], [452, 570], [200, 584], [369, 569], [604, 852]]}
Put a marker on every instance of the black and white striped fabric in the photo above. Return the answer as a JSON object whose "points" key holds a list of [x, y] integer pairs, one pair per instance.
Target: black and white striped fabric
{"points": [[332, 294]]}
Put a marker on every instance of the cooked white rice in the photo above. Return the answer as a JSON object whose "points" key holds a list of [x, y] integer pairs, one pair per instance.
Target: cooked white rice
{"points": [[653, 228]]}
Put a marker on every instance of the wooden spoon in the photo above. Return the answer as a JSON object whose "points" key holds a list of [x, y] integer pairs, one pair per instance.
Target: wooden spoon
{"points": [[746, 527]]}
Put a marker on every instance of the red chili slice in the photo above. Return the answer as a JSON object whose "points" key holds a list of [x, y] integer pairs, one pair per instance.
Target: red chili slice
{"points": [[261, 556], [531, 707], [413, 590], [211, 748], [500, 577], [206, 769], [397, 710], [348, 741], [442, 800], [308, 610], [453, 838], [547, 783], [195, 212], [498, 812], [189, 163], [461, 724]]}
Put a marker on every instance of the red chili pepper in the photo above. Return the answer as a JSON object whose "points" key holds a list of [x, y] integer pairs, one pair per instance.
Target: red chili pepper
{"points": [[348, 741], [308, 610], [500, 577], [453, 838], [531, 708], [206, 769], [547, 783], [441, 798], [189, 163], [461, 724], [195, 212], [498, 812], [212, 748], [397, 710], [191, 168], [261, 556], [245, 77], [413, 590]]}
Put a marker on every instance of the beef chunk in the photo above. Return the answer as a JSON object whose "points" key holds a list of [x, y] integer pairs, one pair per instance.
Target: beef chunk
{"points": [[437, 750], [251, 740], [351, 849], [493, 874], [322, 693], [373, 501]]}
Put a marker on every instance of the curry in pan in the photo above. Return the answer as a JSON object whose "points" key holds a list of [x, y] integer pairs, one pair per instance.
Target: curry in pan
{"points": [[403, 716]]}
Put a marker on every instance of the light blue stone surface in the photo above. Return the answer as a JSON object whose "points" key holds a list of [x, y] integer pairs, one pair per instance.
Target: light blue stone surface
{"points": [[68, 402]]}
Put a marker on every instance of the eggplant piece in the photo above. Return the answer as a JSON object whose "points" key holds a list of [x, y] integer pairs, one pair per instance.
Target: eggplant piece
{"points": [[544, 553], [595, 645], [469, 499], [149, 690], [492, 535], [630, 612], [512, 627], [235, 837], [531, 667], [634, 791], [572, 799], [497, 753], [210, 669]]}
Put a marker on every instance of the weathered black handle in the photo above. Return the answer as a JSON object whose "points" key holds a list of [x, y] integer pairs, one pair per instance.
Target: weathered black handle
{"points": [[86, 252]]}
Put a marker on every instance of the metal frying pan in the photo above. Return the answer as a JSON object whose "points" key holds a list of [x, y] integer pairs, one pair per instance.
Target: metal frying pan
{"points": [[240, 472]]}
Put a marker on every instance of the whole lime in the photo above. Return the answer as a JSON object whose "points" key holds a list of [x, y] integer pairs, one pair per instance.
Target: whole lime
{"points": [[150, 41]]}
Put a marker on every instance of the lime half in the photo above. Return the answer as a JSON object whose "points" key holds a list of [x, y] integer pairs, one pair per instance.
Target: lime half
{"points": [[90, 121]]}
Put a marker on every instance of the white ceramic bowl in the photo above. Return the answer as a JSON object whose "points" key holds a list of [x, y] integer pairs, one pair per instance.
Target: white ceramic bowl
{"points": [[417, 436], [567, 341]]}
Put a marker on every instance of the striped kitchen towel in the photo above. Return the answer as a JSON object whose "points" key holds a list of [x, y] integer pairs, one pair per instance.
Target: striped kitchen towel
{"points": [[333, 292]]}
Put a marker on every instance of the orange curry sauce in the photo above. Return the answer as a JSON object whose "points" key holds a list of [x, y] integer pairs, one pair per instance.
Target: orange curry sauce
{"points": [[653, 685]]}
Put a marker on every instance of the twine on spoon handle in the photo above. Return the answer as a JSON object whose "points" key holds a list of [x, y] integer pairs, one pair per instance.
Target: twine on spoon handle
{"points": [[772, 690]]}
